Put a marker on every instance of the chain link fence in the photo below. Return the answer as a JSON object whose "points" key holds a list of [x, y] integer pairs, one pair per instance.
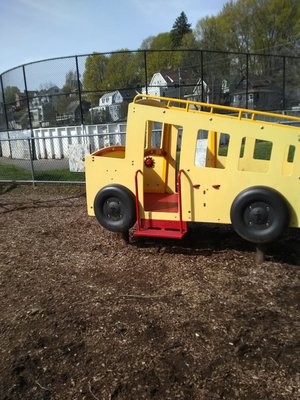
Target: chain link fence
{"points": [[48, 159], [48, 106]]}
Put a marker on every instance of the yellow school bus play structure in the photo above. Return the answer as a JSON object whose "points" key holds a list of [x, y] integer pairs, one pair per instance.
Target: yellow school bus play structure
{"points": [[186, 161]]}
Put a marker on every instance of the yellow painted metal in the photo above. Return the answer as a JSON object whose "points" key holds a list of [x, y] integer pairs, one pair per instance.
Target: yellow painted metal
{"points": [[155, 177], [207, 190]]}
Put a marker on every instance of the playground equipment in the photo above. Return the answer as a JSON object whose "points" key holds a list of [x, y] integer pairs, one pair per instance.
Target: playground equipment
{"points": [[186, 161]]}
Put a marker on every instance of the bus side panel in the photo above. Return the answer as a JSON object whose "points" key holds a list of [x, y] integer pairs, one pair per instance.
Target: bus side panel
{"points": [[208, 192]]}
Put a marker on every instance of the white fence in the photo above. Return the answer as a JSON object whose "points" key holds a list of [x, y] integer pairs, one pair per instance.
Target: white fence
{"points": [[54, 143]]}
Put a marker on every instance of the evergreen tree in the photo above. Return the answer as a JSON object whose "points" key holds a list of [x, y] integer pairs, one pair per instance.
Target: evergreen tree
{"points": [[180, 28]]}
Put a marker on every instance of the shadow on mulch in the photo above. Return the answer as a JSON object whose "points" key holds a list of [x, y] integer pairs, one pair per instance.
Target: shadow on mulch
{"points": [[206, 239]]}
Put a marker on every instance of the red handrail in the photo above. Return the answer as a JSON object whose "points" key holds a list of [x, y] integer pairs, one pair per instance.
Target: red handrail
{"points": [[137, 207], [137, 199], [179, 199]]}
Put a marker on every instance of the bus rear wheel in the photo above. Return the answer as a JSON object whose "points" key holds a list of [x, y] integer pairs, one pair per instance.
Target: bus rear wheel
{"points": [[114, 208], [259, 214]]}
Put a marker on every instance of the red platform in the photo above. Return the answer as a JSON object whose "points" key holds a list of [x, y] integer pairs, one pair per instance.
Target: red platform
{"points": [[161, 202], [162, 229]]}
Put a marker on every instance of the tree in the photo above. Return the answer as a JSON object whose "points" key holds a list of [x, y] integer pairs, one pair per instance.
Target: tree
{"points": [[180, 28], [250, 26], [71, 82], [10, 94], [156, 59], [121, 70], [264, 26], [147, 43], [208, 33], [94, 75], [276, 25]]}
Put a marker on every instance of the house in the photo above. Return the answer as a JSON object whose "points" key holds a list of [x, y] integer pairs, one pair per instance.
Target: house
{"points": [[41, 105], [73, 111], [42, 115], [260, 94], [43, 96], [199, 93], [180, 83], [113, 105]]}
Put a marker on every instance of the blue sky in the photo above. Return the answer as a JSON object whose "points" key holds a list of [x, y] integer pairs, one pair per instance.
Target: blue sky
{"points": [[33, 30]]}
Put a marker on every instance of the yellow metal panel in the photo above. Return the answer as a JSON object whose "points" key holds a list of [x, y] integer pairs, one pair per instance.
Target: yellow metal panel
{"points": [[207, 192]]}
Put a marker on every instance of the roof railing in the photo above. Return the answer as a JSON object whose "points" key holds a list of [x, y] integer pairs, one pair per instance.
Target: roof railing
{"points": [[197, 106]]}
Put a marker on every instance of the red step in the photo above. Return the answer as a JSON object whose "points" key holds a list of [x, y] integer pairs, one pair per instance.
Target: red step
{"points": [[161, 229], [162, 202]]}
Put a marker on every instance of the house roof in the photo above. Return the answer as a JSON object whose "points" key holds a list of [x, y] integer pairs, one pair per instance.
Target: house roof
{"points": [[253, 82], [256, 84], [128, 94], [109, 94], [180, 75], [72, 106]]}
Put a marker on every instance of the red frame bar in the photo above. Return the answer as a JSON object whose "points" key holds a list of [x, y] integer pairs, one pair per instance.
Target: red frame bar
{"points": [[179, 198], [139, 222], [137, 207]]}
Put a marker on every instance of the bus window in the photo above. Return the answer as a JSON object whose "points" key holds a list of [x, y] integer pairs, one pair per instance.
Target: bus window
{"points": [[223, 146], [209, 153], [153, 134], [255, 155], [291, 154], [262, 150], [288, 162], [201, 148]]}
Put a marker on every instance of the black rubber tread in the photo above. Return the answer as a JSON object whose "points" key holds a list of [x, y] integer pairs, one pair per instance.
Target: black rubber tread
{"points": [[259, 214], [114, 208]]}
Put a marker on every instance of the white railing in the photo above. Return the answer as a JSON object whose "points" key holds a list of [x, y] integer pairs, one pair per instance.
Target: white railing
{"points": [[54, 143]]}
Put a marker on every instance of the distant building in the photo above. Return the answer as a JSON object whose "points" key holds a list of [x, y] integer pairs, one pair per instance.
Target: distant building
{"points": [[113, 105], [41, 105], [180, 83], [73, 111], [261, 94]]}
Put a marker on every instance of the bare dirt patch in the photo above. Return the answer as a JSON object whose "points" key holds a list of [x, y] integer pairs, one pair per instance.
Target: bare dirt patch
{"points": [[85, 316]]}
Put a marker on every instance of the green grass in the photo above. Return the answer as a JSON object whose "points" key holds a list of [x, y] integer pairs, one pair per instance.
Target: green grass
{"points": [[262, 151], [12, 172], [59, 175]]}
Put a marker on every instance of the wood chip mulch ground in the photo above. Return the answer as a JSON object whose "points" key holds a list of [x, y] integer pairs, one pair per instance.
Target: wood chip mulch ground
{"points": [[84, 315]]}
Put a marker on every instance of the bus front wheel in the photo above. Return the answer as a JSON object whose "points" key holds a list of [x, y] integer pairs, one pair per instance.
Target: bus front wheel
{"points": [[259, 214], [114, 208]]}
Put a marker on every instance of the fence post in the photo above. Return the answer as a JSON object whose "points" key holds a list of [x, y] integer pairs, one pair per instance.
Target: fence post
{"points": [[6, 117], [283, 82], [79, 90], [29, 115], [4, 103], [202, 77], [31, 161], [247, 79], [145, 70]]}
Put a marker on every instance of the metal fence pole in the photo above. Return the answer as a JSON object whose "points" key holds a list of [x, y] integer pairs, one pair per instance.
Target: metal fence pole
{"points": [[145, 70], [283, 82], [202, 76], [5, 114], [29, 115], [247, 78], [79, 90], [31, 161], [4, 103]]}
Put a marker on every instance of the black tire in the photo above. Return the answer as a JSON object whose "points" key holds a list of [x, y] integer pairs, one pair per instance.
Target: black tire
{"points": [[259, 214], [114, 208]]}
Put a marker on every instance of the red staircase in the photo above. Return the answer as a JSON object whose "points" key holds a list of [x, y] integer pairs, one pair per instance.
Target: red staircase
{"points": [[161, 202]]}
